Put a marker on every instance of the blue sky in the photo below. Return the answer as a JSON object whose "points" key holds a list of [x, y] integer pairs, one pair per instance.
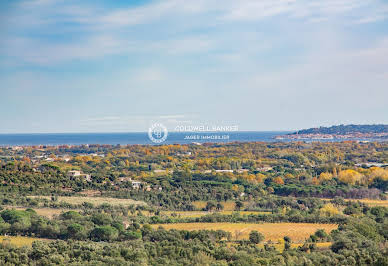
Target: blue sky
{"points": [[110, 66]]}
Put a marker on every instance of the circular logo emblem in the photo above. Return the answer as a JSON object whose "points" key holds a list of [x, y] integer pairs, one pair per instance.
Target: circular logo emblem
{"points": [[157, 133]]}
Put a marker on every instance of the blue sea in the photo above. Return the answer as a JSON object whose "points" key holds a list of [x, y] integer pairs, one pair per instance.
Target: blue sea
{"points": [[133, 138]]}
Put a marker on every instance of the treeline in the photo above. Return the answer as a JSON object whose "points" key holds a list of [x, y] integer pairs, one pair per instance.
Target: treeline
{"points": [[359, 241]]}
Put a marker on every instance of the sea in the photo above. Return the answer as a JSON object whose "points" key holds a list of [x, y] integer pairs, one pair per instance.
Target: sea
{"points": [[142, 138], [54, 139]]}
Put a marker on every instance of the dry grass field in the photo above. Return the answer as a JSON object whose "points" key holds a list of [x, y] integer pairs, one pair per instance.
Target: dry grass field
{"points": [[280, 247], [373, 203], [195, 214], [47, 212], [19, 241], [95, 200], [369, 202], [228, 205], [298, 232]]}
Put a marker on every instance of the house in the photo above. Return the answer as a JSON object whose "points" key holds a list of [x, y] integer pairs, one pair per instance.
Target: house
{"points": [[159, 171], [224, 171], [370, 164], [240, 171], [124, 179], [264, 169], [136, 184], [87, 177], [188, 153], [74, 173]]}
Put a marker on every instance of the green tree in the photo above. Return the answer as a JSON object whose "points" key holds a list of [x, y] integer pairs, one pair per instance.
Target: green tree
{"points": [[104, 233], [239, 205], [255, 237]]}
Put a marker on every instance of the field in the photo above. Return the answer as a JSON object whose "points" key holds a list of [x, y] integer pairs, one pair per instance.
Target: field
{"points": [[373, 203], [228, 205], [298, 232], [47, 212], [369, 202], [19, 241], [280, 247], [195, 214], [95, 200]]}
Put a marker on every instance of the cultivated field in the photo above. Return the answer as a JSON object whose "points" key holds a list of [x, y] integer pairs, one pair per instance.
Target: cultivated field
{"points": [[298, 232], [47, 212], [369, 202], [19, 241], [195, 214], [95, 200]]}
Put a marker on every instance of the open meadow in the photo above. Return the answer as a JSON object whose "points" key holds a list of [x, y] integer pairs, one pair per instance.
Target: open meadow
{"points": [[298, 232], [94, 200], [19, 241], [228, 205], [195, 214], [47, 212], [369, 202]]}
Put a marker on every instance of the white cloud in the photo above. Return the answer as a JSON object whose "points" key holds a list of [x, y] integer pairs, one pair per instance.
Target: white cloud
{"points": [[97, 31]]}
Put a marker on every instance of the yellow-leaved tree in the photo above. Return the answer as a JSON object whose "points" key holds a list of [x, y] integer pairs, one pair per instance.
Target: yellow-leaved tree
{"points": [[350, 176], [377, 172], [325, 176], [329, 210]]}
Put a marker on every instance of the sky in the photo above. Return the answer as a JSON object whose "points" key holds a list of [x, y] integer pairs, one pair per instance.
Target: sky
{"points": [[120, 66]]}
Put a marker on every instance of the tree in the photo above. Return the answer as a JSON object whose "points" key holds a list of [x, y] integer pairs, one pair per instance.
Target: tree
{"points": [[219, 207], [278, 180], [329, 210], [75, 231], [239, 205], [104, 233], [287, 242], [325, 176], [349, 176], [255, 237], [210, 206]]}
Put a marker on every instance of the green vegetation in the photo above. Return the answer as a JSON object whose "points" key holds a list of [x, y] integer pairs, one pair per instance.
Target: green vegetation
{"points": [[214, 204]]}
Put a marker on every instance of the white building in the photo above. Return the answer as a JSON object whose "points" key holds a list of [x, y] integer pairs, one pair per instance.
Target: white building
{"points": [[74, 173], [136, 184]]}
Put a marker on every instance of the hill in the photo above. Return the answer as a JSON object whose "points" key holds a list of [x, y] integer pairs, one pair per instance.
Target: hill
{"points": [[364, 132], [345, 129]]}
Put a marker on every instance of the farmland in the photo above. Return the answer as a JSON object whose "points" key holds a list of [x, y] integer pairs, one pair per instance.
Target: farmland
{"points": [[46, 212], [19, 241], [194, 214], [228, 205], [298, 232], [369, 202], [94, 200]]}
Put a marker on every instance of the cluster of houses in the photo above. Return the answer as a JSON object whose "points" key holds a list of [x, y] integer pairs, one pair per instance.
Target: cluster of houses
{"points": [[75, 173], [134, 183], [138, 184], [240, 171]]}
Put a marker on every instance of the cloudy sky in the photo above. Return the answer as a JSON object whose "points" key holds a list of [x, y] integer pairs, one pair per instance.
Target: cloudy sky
{"points": [[111, 66]]}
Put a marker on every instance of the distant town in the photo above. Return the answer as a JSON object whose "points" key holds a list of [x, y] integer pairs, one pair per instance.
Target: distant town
{"points": [[341, 132]]}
